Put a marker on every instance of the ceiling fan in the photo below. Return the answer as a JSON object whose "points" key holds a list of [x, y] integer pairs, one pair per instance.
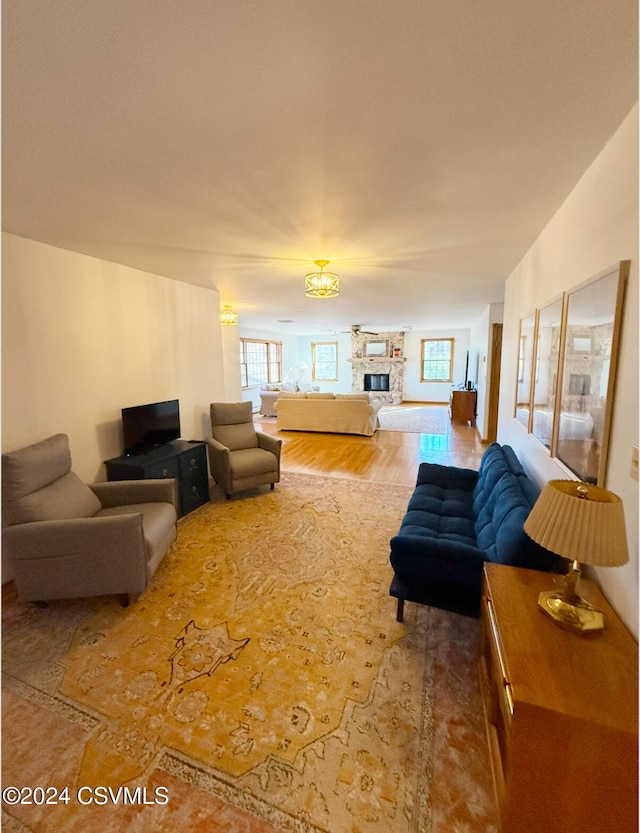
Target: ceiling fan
{"points": [[356, 330]]}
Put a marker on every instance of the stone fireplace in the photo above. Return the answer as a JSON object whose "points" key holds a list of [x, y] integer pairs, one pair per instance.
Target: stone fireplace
{"points": [[381, 376], [376, 382]]}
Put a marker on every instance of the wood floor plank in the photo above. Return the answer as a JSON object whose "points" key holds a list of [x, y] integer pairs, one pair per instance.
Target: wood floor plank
{"points": [[387, 456]]}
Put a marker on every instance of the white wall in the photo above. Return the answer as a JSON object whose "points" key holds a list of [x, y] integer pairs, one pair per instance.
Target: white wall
{"points": [[417, 391], [481, 359], [83, 338], [595, 228]]}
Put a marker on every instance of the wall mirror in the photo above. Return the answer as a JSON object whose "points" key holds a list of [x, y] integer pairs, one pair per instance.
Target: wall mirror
{"points": [[376, 348], [525, 369], [546, 369], [591, 347]]}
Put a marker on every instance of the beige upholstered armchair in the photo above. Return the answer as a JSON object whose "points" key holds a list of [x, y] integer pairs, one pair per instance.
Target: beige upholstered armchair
{"points": [[65, 539], [239, 456]]}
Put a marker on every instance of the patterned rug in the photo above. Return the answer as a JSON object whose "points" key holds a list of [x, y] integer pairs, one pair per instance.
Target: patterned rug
{"points": [[261, 683], [415, 419]]}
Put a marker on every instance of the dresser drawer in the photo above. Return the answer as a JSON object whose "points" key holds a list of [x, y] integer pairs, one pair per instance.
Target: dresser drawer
{"points": [[193, 493], [193, 462], [164, 468]]}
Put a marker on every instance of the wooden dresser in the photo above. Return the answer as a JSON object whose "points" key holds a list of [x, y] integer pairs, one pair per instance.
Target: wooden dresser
{"points": [[561, 711]]}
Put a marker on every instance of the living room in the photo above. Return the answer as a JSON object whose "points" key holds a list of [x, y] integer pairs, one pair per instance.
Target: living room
{"points": [[84, 335]]}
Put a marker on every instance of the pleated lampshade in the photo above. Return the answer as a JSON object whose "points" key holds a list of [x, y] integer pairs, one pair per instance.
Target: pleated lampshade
{"points": [[580, 522]]}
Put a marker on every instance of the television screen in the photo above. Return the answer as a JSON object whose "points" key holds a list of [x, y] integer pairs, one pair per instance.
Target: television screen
{"points": [[146, 426]]}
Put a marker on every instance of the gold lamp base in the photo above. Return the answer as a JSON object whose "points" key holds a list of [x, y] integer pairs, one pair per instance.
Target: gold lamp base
{"points": [[572, 616], [567, 608]]}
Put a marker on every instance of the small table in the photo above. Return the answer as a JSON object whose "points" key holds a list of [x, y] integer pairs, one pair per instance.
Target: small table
{"points": [[462, 407]]}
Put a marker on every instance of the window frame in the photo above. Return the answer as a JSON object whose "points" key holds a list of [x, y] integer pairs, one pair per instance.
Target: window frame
{"points": [[314, 377], [423, 360], [272, 363]]}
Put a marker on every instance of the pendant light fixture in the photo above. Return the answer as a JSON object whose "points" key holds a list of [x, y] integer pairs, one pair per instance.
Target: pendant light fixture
{"points": [[322, 284]]}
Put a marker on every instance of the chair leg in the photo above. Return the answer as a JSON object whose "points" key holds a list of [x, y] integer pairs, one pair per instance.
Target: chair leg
{"points": [[400, 611]]}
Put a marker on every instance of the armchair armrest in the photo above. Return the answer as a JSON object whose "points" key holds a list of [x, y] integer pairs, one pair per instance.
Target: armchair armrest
{"points": [[113, 536], [124, 492], [219, 461], [269, 443], [78, 556]]}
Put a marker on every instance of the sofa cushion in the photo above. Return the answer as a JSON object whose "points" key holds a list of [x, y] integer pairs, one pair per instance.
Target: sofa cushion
{"points": [[499, 526], [352, 396], [317, 395], [493, 466]]}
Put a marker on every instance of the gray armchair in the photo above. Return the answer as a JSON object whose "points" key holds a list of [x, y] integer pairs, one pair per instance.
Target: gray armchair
{"points": [[239, 456], [65, 539]]}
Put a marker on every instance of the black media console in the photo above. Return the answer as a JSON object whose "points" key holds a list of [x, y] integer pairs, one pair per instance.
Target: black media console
{"points": [[184, 460]]}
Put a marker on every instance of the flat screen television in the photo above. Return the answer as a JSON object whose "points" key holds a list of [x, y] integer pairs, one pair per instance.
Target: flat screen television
{"points": [[147, 426]]}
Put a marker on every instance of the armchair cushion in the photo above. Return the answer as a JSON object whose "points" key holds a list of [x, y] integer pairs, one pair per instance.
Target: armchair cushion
{"points": [[246, 462], [38, 484], [236, 436]]}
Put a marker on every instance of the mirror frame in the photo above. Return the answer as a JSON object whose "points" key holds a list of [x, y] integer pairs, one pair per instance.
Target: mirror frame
{"points": [[589, 411]]}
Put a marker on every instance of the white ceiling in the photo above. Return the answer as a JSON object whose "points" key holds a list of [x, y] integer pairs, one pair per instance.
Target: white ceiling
{"points": [[418, 145]]}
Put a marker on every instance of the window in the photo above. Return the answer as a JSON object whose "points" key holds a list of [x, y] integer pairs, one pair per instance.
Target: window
{"points": [[324, 361], [260, 362], [436, 359]]}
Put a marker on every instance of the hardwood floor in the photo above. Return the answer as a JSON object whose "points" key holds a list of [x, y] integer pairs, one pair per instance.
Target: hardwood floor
{"points": [[387, 456]]}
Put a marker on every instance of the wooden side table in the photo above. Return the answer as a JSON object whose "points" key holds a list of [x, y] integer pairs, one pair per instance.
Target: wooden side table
{"points": [[561, 711], [462, 407]]}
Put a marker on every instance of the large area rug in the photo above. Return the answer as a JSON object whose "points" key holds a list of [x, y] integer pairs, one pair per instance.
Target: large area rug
{"points": [[415, 419], [261, 683]]}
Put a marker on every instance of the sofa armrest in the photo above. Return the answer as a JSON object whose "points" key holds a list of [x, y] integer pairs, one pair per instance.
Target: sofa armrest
{"points": [[125, 492], [449, 477]]}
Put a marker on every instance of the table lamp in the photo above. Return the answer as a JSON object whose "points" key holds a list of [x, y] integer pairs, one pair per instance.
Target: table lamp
{"points": [[585, 524]]}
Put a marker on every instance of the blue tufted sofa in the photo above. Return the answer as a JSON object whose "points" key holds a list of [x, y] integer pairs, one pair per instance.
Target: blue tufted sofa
{"points": [[456, 520]]}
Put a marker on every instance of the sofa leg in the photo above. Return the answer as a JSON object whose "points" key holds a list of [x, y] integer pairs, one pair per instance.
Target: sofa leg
{"points": [[41, 604], [400, 611], [124, 599], [273, 486]]}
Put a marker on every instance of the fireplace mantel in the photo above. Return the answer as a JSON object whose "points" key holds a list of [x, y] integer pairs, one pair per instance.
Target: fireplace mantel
{"points": [[376, 360]]}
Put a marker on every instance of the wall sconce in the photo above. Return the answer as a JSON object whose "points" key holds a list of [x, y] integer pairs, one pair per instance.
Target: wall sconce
{"points": [[228, 316]]}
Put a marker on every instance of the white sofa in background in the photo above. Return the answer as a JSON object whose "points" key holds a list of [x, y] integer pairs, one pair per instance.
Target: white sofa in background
{"points": [[342, 413], [270, 393]]}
